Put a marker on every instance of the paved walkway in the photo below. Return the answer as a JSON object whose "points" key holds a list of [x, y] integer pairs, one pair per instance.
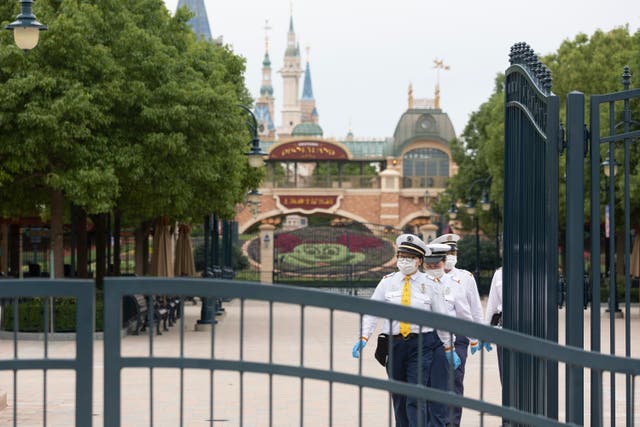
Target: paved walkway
{"points": [[287, 392]]}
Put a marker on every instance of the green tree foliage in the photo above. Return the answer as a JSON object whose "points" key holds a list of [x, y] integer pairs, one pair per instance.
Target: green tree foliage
{"points": [[590, 64], [119, 105], [594, 65], [479, 155]]}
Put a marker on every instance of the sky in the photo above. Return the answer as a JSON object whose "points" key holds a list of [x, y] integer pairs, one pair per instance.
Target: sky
{"points": [[364, 54]]}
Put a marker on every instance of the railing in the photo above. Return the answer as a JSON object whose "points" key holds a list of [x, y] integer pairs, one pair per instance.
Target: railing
{"points": [[334, 304], [12, 292], [424, 182], [334, 181], [248, 346]]}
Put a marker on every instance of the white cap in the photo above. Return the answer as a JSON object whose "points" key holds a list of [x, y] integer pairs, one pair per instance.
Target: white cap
{"points": [[438, 252], [450, 239], [412, 244]]}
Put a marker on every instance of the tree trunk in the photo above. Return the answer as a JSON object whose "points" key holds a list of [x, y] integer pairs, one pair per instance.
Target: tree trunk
{"points": [[142, 249], [4, 248], [83, 249], [57, 233], [14, 250], [117, 271], [101, 246]]}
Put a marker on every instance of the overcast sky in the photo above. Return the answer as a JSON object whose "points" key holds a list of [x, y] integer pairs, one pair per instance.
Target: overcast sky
{"points": [[364, 54]]}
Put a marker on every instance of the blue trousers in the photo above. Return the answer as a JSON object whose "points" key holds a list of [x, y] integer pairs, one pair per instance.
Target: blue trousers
{"points": [[404, 368], [454, 414]]}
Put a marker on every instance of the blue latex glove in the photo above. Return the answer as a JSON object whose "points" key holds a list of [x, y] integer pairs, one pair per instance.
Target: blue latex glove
{"points": [[456, 358], [475, 346], [357, 348], [487, 346]]}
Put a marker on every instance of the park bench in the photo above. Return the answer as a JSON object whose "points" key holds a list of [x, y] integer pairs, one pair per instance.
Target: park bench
{"points": [[139, 305]]}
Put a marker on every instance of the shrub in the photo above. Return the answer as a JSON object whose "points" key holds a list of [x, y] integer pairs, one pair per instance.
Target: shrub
{"points": [[31, 315]]}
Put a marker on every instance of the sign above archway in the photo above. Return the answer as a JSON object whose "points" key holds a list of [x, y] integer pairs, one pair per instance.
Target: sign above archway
{"points": [[308, 150], [308, 203]]}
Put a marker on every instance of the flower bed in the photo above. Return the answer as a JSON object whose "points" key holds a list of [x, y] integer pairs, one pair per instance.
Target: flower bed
{"points": [[327, 251]]}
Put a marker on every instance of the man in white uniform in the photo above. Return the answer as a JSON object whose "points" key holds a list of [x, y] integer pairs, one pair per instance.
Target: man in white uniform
{"points": [[493, 314], [410, 287], [465, 280]]}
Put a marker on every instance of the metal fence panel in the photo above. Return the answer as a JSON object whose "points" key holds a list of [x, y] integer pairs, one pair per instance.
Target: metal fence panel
{"points": [[82, 364]]}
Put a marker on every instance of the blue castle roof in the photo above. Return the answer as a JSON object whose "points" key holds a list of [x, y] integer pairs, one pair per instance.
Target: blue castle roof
{"points": [[200, 21], [307, 91]]}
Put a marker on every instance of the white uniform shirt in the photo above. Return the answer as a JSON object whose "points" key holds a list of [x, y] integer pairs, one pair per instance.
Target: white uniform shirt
{"points": [[455, 302], [468, 282], [426, 294], [494, 304]]}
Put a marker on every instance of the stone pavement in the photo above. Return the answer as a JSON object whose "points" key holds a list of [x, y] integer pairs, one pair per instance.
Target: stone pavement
{"points": [[287, 392]]}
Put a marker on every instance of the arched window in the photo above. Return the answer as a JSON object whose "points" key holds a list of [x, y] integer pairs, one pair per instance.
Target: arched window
{"points": [[425, 167]]}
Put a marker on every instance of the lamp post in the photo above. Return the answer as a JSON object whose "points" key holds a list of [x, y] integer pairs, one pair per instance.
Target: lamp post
{"points": [[26, 28], [253, 200], [486, 206], [452, 211], [255, 157], [610, 169], [471, 210]]}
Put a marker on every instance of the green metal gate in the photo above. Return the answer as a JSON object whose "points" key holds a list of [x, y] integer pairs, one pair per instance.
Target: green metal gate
{"points": [[530, 229], [612, 131]]}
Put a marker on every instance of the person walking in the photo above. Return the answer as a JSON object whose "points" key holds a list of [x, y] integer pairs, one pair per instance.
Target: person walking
{"points": [[493, 314], [467, 282], [410, 287]]}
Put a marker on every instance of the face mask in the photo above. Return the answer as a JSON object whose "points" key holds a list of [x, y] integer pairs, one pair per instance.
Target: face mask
{"points": [[407, 266], [436, 273], [450, 262]]}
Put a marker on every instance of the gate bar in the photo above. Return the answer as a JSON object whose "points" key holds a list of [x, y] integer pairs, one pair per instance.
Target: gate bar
{"points": [[574, 252]]}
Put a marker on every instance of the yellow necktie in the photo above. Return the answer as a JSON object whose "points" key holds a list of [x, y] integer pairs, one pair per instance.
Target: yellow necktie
{"points": [[405, 328]]}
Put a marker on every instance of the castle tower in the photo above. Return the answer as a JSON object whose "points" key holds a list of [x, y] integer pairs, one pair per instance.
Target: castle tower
{"points": [[309, 113], [291, 72], [200, 21], [264, 103]]}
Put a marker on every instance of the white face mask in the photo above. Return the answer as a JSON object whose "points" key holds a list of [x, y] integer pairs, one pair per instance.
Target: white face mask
{"points": [[407, 266], [450, 262], [435, 273]]}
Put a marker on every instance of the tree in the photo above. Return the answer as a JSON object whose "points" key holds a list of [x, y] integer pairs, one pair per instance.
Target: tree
{"points": [[119, 106], [479, 154]]}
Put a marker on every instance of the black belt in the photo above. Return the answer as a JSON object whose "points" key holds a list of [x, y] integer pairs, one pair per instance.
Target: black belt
{"points": [[407, 338]]}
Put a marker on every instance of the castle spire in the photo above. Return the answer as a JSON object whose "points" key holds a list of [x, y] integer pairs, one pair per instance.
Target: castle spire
{"points": [[291, 72], [308, 102], [307, 89], [264, 104], [410, 96], [200, 21], [438, 65]]}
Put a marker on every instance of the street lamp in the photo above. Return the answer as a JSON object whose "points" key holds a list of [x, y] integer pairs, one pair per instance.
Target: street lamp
{"points": [[452, 211], [256, 155], [253, 199], [471, 210], [256, 160], [610, 169], [26, 29]]}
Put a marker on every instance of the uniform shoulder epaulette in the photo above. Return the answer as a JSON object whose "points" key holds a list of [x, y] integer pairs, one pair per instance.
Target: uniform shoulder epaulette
{"points": [[389, 275]]}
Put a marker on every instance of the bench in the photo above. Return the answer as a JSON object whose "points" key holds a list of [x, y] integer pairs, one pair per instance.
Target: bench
{"points": [[138, 305]]}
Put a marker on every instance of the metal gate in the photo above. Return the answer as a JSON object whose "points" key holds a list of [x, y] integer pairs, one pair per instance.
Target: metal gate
{"points": [[530, 229], [612, 130]]}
